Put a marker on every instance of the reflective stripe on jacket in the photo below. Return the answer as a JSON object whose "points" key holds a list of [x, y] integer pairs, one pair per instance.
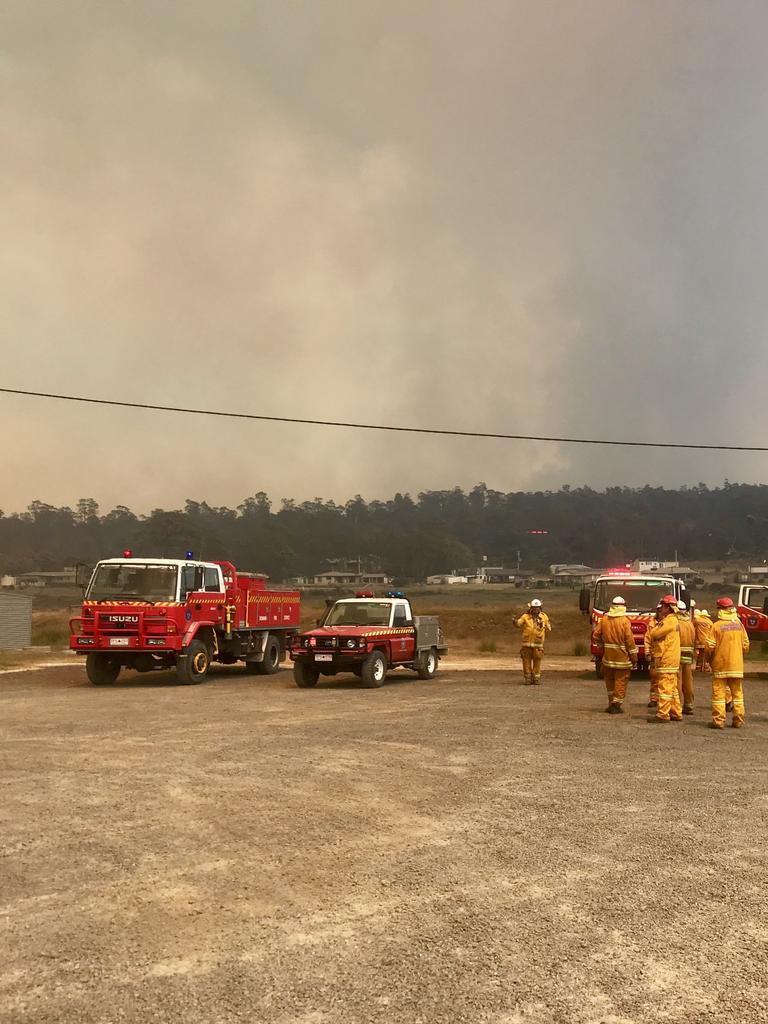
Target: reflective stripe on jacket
{"points": [[728, 643], [534, 629], [665, 645], [613, 633]]}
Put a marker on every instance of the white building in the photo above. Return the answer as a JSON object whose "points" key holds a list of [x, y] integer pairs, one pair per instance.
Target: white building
{"points": [[653, 565]]}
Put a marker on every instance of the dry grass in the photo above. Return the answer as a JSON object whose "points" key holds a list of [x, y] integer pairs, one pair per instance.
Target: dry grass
{"points": [[51, 629], [473, 619]]}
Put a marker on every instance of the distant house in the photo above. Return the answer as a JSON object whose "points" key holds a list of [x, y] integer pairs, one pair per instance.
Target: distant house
{"points": [[340, 578], [572, 575], [59, 578], [652, 565]]}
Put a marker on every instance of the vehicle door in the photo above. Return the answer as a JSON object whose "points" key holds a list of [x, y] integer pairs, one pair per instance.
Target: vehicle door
{"points": [[404, 641], [753, 608], [193, 593]]}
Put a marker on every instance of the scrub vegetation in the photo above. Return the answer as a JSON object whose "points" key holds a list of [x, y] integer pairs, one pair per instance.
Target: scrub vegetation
{"points": [[407, 537]]}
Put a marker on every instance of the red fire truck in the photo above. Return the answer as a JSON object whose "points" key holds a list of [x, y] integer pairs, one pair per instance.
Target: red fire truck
{"points": [[753, 610], [161, 613], [367, 635], [642, 594]]}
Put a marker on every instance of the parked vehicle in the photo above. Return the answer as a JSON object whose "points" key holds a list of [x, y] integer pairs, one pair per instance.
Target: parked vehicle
{"points": [[161, 613], [368, 636]]}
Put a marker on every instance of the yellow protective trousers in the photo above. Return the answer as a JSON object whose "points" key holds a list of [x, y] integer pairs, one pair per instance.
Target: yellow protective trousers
{"points": [[653, 696], [616, 680], [669, 706], [701, 660], [723, 691], [531, 657], [686, 684]]}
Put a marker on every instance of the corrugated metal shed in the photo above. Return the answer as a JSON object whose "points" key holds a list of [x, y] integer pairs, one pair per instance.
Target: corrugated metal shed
{"points": [[15, 621]]}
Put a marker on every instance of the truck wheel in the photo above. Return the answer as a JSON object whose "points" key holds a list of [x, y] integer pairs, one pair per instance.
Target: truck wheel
{"points": [[192, 667], [426, 665], [271, 662], [305, 675], [101, 669], [374, 669], [599, 668]]}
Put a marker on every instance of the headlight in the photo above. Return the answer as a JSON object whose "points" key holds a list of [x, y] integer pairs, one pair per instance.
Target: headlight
{"points": [[352, 643]]}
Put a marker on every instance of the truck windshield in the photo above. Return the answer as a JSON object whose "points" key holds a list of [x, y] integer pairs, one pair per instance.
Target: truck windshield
{"points": [[640, 595], [132, 581], [363, 613]]}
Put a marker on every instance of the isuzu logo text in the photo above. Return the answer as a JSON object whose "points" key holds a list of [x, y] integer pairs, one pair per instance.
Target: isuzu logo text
{"points": [[122, 618]]}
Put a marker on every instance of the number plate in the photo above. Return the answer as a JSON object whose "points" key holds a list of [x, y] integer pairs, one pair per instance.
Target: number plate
{"points": [[119, 641], [323, 657]]}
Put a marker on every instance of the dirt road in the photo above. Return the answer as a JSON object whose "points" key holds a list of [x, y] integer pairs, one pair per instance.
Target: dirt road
{"points": [[465, 849]]}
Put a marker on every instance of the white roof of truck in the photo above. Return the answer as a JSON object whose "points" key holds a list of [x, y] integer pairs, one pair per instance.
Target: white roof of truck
{"points": [[139, 560]]}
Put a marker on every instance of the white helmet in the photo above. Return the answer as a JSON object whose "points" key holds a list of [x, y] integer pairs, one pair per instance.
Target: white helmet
{"points": [[703, 611], [618, 600], [535, 603], [682, 606]]}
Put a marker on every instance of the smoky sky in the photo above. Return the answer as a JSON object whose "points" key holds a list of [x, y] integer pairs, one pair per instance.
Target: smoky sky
{"points": [[526, 217]]}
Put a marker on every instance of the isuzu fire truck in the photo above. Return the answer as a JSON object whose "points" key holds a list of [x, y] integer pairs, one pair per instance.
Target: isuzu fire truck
{"points": [[368, 635], [161, 613], [642, 594]]}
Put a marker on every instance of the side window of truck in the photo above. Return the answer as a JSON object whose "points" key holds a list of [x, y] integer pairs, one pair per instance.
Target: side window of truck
{"points": [[400, 618], [191, 579], [212, 582]]}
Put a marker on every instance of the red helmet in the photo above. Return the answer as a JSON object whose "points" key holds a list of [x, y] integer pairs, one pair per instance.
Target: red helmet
{"points": [[724, 602], [669, 599]]}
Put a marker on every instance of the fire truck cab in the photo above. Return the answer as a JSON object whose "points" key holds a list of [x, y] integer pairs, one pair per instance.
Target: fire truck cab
{"points": [[753, 610], [160, 613], [642, 594]]}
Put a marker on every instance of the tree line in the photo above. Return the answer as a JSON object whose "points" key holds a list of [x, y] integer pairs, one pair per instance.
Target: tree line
{"points": [[408, 537]]}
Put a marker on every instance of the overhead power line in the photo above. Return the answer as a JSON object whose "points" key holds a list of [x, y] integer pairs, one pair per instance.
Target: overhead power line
{"points": [[386, 426]]}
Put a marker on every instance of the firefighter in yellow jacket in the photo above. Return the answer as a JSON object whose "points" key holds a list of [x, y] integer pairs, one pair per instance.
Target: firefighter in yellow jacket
{"points": [[665, 652], [613, 634], [687, 648], [727, 645], [653, 696], [535, 625], [703, 625]]}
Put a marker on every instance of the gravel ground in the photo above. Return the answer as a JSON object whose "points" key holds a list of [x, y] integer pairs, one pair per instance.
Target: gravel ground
{"points": [[465, 849]]}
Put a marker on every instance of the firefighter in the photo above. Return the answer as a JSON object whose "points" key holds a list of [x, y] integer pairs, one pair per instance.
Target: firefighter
{"points": [[535, 625], [653, 696], [665, 652], [613, 634], [703, 625], [687, 645], [727, 644]]}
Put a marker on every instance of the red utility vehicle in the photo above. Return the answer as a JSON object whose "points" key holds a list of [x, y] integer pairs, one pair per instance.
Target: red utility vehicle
{"points": [[642, 594], [160, 613], [368, 635]]}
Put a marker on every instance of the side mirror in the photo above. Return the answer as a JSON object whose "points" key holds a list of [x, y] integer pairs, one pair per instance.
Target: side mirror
{"points": [[765, 606], [585, 596]]}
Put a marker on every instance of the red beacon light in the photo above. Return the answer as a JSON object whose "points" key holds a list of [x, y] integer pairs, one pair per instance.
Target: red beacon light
{"points": [[127, 553], [365, 593]]}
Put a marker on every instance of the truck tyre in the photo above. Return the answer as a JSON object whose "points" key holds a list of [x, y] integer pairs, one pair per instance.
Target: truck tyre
{"points": [[426, 664], [102, 669], [272, 656], [374, 669], [192, 667], [305, 675], [599, 668]]}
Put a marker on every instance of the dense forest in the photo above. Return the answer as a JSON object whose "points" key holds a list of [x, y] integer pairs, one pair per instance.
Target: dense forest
{"points": [[406, 536]]}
